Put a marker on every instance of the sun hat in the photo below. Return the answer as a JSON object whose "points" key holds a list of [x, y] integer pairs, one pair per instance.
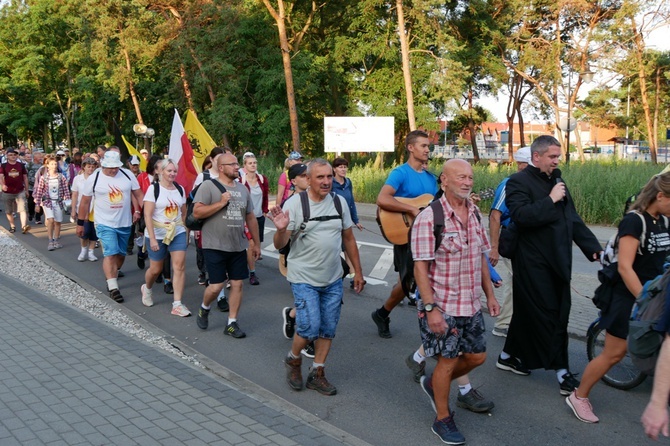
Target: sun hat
{"points": [[294, 156], [522, 155], [111, 160]]}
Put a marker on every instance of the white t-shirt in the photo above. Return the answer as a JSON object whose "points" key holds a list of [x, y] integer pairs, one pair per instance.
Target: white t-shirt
{"points": [[113, 205], [77, 185], [168, 209]]}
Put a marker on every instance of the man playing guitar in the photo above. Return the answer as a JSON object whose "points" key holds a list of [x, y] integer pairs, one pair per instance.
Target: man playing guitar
{"points": [[409, 180]]}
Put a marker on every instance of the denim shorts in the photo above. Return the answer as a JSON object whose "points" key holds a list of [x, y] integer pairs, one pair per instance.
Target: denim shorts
{"points": [[317, 309], [114, 241], [222, 265], [464, 335], [179, 243]]}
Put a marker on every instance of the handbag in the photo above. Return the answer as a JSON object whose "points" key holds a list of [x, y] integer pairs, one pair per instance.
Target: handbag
{"points": [[508, 241]]}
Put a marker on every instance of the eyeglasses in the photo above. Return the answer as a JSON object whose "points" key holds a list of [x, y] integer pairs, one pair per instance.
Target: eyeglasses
{"points": [[229, 164]]}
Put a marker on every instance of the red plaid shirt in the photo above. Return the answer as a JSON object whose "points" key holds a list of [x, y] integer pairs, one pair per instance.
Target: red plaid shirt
{"points": [[455, 270]]}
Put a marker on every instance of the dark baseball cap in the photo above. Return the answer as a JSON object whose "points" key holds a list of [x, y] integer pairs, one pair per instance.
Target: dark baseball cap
{"points": [[12, 150], [295, 170]]}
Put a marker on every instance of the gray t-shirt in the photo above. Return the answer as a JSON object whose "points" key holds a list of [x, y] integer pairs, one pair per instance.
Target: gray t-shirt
{"points": [[315, 252], [224, 231]]}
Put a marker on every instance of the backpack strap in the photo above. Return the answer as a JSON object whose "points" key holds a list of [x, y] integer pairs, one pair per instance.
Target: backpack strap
{"points": [[95, 181], [304, 201], [157, 189], [438, 221]]}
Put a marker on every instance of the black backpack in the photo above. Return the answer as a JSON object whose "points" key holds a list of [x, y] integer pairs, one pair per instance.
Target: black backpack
{"points": [[304, 201], [192, 223]]}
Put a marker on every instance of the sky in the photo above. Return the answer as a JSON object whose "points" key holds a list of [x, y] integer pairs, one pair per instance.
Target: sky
{"points": [[657, 40]]}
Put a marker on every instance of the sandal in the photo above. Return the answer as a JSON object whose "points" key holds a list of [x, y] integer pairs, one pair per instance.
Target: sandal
{"points": [[25, 229], [12, 229]]}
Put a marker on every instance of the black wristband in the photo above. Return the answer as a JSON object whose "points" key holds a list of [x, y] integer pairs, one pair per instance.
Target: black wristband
{"points": [[80, 222]]}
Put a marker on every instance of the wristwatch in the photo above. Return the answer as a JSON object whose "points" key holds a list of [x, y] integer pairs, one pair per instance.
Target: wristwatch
{"points": [[429, 307]]}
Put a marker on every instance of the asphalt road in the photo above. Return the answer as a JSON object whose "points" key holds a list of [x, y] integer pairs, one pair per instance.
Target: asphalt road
{"points": [[377, 399]]}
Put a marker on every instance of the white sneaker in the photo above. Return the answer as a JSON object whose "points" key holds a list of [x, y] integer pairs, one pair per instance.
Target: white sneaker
{"points": [[180, 310], [147, 301], [82, 256], [92, 257]]}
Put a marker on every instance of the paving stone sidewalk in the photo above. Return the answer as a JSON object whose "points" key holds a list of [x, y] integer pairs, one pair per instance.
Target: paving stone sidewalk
{"points": [[70, 379]]}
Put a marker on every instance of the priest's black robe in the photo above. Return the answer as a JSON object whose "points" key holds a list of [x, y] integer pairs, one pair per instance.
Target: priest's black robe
{"points": [[542, 265]]}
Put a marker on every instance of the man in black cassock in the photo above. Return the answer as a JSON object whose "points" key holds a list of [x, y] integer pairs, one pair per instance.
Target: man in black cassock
{"points": [[547, 223]]}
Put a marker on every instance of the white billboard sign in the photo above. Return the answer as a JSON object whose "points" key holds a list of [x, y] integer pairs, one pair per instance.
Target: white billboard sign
{"points": [[358, 134]]}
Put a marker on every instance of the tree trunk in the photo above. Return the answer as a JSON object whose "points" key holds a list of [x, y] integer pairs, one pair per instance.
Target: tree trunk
{"points": [[406, 68], [280, 19], [131, 88], [187, 89], [644, 94], [472, 127]]}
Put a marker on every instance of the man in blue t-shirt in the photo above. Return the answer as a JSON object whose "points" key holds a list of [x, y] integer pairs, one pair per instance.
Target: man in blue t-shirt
{"points": [[498, 219], [407, 181]]}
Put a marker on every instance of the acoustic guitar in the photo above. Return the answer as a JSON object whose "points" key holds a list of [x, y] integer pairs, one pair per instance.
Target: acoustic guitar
{"points": [[395, 225]]}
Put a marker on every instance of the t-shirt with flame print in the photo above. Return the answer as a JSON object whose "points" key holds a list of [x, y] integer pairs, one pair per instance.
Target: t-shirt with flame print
{"points": [[168, 209], [112, 203]]}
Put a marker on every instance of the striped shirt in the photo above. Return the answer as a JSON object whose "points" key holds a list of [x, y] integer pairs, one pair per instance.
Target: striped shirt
{"points": [[455, 269]]}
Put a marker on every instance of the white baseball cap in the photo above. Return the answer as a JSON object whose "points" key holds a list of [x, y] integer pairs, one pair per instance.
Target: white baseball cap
{"points": [[522, 155]]}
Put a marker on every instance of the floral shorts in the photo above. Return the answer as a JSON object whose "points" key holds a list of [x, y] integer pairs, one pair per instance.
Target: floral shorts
{"points": [[464, 335]]}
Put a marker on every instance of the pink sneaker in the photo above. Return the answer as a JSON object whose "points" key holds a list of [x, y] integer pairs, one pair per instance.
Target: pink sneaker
{"points": [[582, 408], [147, 301]]}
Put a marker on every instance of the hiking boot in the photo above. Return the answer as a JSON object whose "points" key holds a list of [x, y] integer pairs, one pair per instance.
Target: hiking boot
{"points": [[447, 431], [180, 310], [308, 351], [147, 301], [253, 280], [203, 318], [289, 323], [222, 305], [474, 401], [316, 380], [382, 325], [234, 330], [293, 372], [418, 368], [569, 384], [513, 365], [116, 295], [168, 288], [501, 332], [582, 408], [427, 387]]}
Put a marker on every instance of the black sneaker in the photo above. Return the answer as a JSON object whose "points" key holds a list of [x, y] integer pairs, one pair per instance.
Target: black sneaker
{"points": [[202, 279], [120, 274], [308, 351], [474, 401], [116, 295], [141, 260], [168, 288], [569, 384], [447, 431], [253, 280], [513, 365], [316, 380], [418, 368], [159, 279], [203, 318], [289, 323], [382, 325], [222, 305], [234, 330], [427, 387]]}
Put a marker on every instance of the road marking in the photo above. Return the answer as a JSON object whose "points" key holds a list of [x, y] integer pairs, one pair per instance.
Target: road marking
{"points": [[383, 264]]}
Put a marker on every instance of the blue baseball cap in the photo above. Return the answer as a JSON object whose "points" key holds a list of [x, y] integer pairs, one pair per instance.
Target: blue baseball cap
{"points": [[295, 156]]}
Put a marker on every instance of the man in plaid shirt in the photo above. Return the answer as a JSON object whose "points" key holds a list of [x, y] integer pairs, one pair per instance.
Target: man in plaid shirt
{"points": [[449, 280]]}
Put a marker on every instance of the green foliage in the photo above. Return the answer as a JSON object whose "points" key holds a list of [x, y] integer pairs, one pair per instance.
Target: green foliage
{"points": [[598, 188]]}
